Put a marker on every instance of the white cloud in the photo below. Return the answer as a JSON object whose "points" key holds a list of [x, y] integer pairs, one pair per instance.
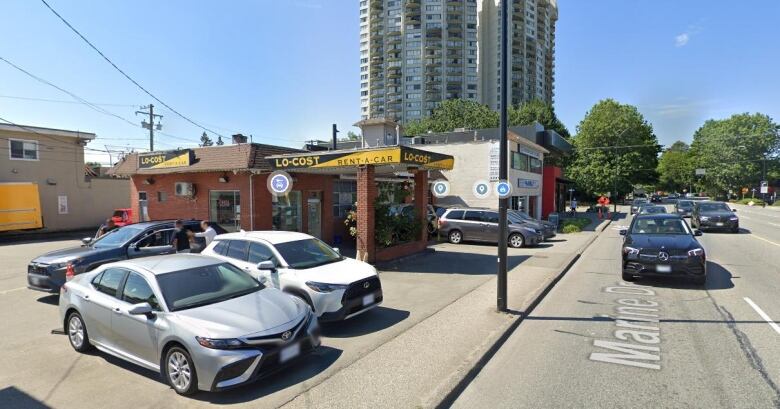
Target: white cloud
{"points": [[681, 40]]}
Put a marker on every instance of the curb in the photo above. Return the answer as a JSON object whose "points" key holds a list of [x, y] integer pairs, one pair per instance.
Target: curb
{"points": [[450, 397]]}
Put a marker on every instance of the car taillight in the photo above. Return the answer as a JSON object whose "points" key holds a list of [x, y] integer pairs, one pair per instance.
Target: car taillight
{"points": [[441, 223], [70, 272]]}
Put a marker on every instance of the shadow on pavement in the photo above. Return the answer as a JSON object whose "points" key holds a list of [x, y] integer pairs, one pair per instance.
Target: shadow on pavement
{"points": [[742, 230], [374, 320], [451, 262], [718, 278], [51, 299], [306, 367], [11, 397]]}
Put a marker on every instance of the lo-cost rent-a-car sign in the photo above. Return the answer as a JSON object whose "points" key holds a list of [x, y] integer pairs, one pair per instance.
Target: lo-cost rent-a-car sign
{"points": [[160, 160], [390, 156]]}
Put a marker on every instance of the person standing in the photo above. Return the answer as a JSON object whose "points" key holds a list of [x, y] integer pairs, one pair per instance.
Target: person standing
{"points": [[208, 233], [573, 206], [107, 227], [181, 239]]}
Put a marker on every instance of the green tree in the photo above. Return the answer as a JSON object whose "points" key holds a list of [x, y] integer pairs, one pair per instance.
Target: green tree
{"points": [[614, 146], [205, 140], [219, 141], [351, 136], [453, 114], [676, 168], [537, 111], [732, 151]]}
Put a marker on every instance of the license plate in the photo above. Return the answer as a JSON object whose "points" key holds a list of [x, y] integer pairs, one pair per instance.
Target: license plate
{"points": [[368, 299], [663, 269], [289, 352], [36, 281], [719, 224]]}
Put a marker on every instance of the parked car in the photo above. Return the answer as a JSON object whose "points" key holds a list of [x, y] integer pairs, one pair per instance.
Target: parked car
{"points": [[651, 209], [471, 224], [655, 198], [548, 229], [47, 272], [122, 217], [336, 287], [683, 207], [200, 322], [714, 215], [636, 203], [662, 245]]}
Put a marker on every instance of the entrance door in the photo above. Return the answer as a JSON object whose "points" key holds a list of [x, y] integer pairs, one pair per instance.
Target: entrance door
{"points": [[225, 208], [143, 207], [315, 217]]}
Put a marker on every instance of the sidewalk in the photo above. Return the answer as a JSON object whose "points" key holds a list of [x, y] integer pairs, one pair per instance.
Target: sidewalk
{"points": [[423, 365]]}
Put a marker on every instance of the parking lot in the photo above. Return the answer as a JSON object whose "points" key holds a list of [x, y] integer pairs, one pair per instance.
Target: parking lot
{"points": [[42, 369]]}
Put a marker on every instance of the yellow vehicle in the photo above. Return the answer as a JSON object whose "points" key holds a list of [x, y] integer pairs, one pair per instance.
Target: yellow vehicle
{"points": [[20, 206]]}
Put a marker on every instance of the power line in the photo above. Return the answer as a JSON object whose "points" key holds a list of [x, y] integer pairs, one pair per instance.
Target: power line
{"points": [[125, 74], [62, 101]]}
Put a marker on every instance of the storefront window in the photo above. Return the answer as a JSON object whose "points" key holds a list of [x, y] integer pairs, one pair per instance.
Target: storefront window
{"points": [[344, 197], [286, 212], [535, 165], [225, 208]]}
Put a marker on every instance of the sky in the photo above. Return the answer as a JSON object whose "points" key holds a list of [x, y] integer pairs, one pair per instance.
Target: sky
{"points": [[283, 71]]}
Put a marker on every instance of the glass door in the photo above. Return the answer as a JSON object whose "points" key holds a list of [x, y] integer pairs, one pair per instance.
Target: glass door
{"points": [[315, 217], [225, 208]]}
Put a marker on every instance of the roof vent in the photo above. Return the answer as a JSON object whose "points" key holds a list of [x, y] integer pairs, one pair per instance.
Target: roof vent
{"points": [[239, 138]]}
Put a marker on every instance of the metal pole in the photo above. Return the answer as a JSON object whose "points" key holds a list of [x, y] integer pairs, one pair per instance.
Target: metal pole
{"points": [[502, 157], [151, 128], [335, 139]]}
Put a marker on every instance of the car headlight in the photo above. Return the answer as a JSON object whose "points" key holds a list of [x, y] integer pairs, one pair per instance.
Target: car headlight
{"points": [[704, 218], [734, 218], [630, 251], [58, 266], [696, 252], [529, 229], [220, 343], [325, 287], [680, 211]]}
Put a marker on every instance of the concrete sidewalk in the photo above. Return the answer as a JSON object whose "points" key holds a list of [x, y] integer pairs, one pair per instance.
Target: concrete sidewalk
{"points": [[429, 362]]}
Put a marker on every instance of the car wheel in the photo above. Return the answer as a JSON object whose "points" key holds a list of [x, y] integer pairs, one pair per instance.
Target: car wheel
{"points": [[516, 240], [700, 280], [77, 333], [455, 237], [629, 277], [180, 371]]}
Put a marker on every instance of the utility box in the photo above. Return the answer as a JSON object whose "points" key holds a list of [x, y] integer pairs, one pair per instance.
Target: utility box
{"points": [[20, 206]]}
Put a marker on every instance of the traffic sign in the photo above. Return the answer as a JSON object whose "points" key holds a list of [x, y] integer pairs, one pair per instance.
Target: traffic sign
{"points": [[279, 183], [764, 186], [481, 189], [441, 188], [701, 172], [503, 189]]}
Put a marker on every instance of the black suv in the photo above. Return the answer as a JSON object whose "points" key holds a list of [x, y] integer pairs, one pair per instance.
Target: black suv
{"points": [[47, 272], [714, 215]]}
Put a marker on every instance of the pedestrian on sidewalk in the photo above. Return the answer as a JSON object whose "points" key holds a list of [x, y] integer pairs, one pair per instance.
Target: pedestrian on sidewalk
{"points": [[574, 207]]}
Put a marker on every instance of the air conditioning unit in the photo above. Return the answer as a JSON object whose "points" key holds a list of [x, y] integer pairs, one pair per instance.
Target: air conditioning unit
{"points": [[184, 189]]}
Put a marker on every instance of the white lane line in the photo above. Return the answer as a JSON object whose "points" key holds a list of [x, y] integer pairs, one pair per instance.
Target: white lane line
{"points": [[761, 238], [11, 290], [750, 218], [763, 315]]}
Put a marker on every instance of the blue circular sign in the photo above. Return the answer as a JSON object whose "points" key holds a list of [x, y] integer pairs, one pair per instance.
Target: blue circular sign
{"points": [[279, 183], [503, 189]]}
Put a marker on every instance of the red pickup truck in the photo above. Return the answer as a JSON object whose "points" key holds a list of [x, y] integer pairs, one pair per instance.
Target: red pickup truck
{"points": [[122, 217]]}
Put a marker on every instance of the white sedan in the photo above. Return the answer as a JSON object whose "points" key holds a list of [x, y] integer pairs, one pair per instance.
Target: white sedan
{"points": [[336, 287]]}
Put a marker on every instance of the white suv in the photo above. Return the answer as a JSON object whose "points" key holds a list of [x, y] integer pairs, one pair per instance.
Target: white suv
{"points": [[336, 287]]}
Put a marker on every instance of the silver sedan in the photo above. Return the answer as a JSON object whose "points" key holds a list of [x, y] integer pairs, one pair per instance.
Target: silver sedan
{"points": [[203, 324]]}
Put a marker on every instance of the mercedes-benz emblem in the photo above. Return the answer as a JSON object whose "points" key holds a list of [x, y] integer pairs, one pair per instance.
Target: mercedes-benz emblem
{"points": [[663, 256], [366, 284], [286, 335]]}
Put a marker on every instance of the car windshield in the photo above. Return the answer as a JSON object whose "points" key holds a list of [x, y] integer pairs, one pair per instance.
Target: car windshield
{"points": [[660, 226], [684, 203], [640, 201], [117, 237], [307, 253], [518, 217], [653, 209], [197, 287], [714, 207]]}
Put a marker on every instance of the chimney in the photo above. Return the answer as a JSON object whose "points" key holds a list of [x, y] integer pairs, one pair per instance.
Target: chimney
{"points": [[239, 139]]}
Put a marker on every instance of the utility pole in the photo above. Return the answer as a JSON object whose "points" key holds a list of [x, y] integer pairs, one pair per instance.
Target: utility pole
{"points": [[150, 125], [502, 158], [335, 136]]}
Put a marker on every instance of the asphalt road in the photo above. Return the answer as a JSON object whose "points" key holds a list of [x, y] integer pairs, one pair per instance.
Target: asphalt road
{"points": [[694, 347]]}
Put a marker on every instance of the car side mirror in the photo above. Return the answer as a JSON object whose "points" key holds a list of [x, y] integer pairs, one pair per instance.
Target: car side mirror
{"points": [[143, 308], [623, 232], [734, 210], [697, 232], [86, 240], [263, 280], [336, 249], [266, 265]]}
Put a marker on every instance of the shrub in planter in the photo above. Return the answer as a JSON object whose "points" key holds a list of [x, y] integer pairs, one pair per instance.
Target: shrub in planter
{"points": [[571, 228]]}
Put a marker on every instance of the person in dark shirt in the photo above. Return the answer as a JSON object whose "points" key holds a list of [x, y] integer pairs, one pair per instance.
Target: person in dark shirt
{"points": [[181, 240], [107, 227]]}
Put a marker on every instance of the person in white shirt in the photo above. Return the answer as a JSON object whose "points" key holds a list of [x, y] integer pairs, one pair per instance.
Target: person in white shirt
{"points": [[208, 232]]}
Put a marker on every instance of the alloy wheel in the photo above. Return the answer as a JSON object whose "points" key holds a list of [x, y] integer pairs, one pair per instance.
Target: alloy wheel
{"points": [[516, 241], [179, 371], [76, 331]]}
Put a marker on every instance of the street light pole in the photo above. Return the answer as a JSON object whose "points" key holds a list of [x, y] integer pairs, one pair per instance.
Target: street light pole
{"points": [[501, 293]]}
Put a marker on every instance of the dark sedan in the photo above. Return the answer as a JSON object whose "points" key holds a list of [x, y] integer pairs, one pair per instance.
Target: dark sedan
{"points": [[683, 207], [652, 209], [636, 204], [714, 215], [662, 245], [48, 272]]}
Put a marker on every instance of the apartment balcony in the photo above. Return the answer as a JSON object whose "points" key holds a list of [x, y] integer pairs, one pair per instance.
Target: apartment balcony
{"points": [[395, 39], [413, 3]]}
